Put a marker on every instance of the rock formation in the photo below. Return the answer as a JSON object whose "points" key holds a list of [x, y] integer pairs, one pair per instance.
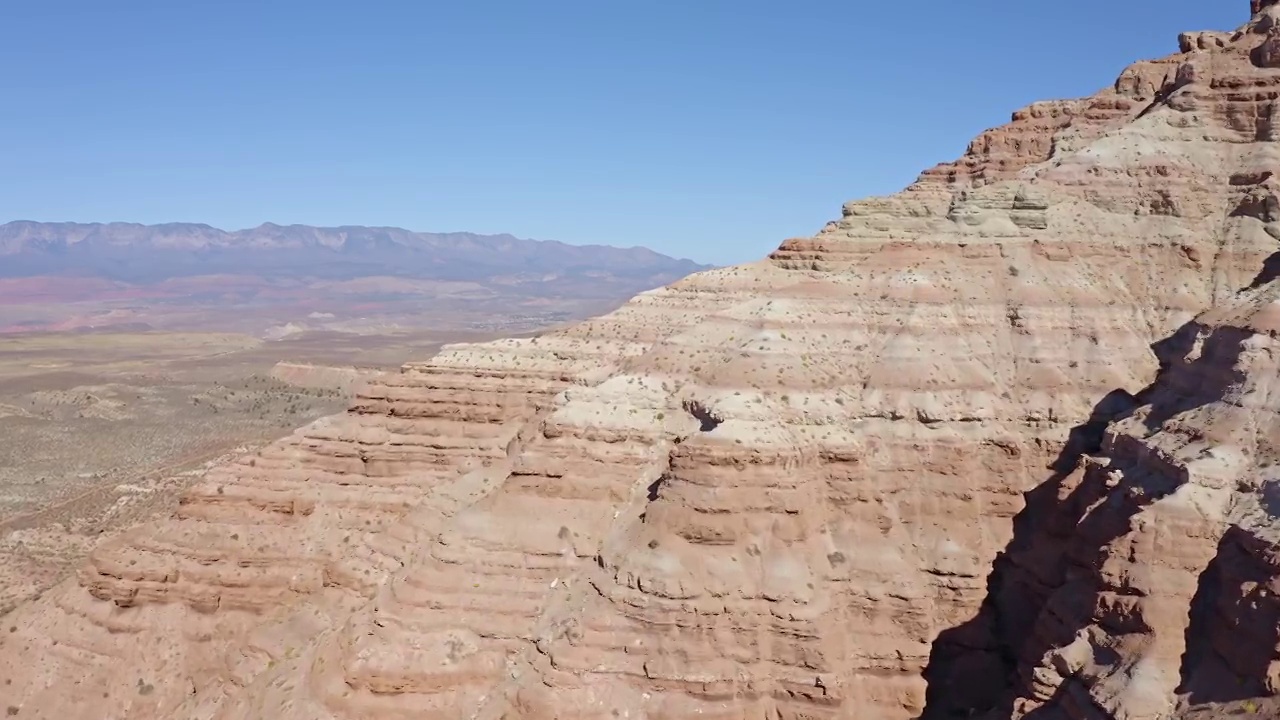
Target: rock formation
{"points": [[343, 379], [1166, 586], [925, 462]]}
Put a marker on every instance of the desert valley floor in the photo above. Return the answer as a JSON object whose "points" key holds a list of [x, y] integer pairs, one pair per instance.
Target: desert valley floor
{"points": [[104, 429]]}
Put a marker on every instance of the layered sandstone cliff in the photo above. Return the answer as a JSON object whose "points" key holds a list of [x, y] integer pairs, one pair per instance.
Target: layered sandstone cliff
{"points": [[1164, 590], [869, 477]]}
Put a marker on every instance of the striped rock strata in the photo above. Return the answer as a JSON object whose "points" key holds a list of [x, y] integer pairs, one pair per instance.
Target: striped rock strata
{"points": [[1154, 575], [768, 491]]}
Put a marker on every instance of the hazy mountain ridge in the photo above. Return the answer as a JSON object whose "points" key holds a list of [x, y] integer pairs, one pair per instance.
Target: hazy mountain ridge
{"points": [[190, 275], [116, 251]]}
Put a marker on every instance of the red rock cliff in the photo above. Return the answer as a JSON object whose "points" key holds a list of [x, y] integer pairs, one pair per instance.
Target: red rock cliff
{"points": [[868, 477]]}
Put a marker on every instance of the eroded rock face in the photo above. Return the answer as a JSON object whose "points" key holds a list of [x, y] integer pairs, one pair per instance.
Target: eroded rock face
{"points": [[1163, 591], [769, 491]]}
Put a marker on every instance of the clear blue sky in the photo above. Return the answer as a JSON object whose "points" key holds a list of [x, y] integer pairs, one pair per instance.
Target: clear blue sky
{"points": [[709, 129]]}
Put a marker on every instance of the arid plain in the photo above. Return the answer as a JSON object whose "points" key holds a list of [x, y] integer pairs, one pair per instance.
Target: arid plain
{"points": [[104, 429]]}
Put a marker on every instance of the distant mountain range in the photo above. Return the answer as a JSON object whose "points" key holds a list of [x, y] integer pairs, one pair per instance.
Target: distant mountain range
{"points": [[145, 253], [186, 275]]}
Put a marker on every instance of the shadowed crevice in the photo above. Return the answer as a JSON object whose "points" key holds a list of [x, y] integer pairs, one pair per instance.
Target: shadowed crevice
{"points": [[1183, 382], [1270, 271], [973, 666], [1061, 536], [708, 421], [1233, 632], [654, 487]]}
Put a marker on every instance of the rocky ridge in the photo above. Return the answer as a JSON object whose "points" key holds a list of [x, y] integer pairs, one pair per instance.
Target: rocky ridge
{"points": [[922, 463], [175, 250], [343, 379]]}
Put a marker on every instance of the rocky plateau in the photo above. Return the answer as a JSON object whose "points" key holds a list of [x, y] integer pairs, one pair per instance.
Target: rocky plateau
{"points": [[1002, 445]]}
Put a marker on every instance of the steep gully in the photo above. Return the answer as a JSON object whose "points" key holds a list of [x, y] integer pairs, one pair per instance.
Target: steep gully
{"points": [[1048, 589]]}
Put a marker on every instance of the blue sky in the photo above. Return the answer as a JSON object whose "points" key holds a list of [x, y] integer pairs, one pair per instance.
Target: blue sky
{"points": [[710, 129]]}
